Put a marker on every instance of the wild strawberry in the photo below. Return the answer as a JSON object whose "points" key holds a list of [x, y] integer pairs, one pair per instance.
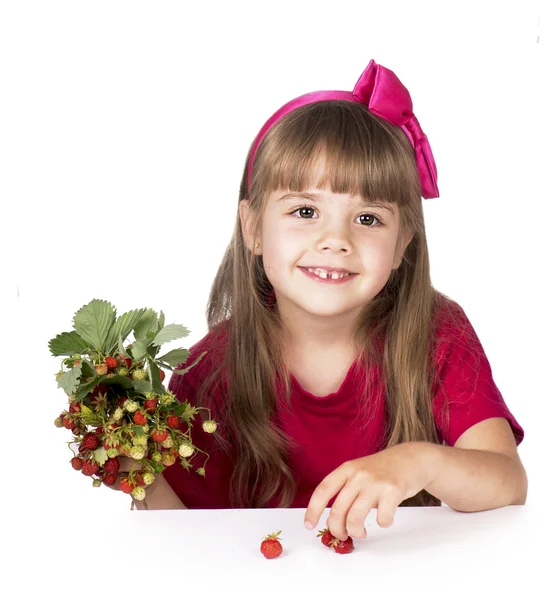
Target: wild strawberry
{"points": [[168, 443], [77, 463], [173, 421], [125, 359], [209, 426], [151, 405], [162, 374], [137, 452], [59, 421], [270, 546], [343, 547], [138, 493], [112, 465], [101, 369], [186, 450], [131, 406], [156, 457], [111, 362], [139, 418], [139, 374], [91, 441], [90, 467], [139, 479], [326, 537], [148, 478], [159, 435], [126, 485], [68, 422], [121, 400], [110, 478], [118, 414], [168, 459], [75, 407]]}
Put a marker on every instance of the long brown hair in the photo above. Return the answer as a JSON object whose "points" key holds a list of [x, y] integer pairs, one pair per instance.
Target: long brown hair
{"points": [[363, 155]]}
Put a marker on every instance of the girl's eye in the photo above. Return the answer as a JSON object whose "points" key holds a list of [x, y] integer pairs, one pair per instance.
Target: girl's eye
{"points": [[370, 216]]}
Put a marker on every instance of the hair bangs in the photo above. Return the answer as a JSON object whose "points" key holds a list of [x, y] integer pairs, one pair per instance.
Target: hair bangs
{"points": [[340, 146]]}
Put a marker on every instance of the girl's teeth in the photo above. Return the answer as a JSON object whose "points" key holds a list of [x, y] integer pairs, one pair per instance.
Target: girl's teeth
{"points": [[324, 275]]}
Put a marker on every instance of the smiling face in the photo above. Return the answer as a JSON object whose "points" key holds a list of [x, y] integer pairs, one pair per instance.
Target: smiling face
{"points": [[320, 228]]}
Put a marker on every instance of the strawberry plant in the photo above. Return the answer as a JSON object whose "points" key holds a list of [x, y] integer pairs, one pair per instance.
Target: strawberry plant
{"points": [[116, 402]]}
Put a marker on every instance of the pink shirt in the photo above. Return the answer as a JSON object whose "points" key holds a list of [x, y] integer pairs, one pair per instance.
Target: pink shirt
{"points": [[323, 426]]}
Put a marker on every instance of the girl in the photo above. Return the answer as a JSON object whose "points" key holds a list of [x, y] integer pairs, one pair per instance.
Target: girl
{"points": [[338, 375]]}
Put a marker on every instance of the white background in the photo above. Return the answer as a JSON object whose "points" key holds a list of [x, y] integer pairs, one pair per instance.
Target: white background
{"points": [[124, 128]]}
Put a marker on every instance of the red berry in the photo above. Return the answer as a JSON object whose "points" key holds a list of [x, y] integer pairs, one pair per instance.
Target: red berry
{"points": [[173, 421], [90, 467], [151, 405], [75, 407], [91, 441], [68, 423], [126, 485], [139, 418], [77, 463], [159, 435], [270, 546], [343, 547], [326, 537], [110, 478], [112, 465], [111, 362], [121, 400], [162, 374]]}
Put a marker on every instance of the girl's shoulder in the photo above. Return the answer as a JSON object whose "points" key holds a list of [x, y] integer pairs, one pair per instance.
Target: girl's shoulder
{"points": [[453, 331]]}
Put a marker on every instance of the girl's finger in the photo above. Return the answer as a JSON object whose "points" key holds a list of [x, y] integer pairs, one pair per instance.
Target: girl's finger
{"points": [[386, 507], [357, 515], [339, 510]]}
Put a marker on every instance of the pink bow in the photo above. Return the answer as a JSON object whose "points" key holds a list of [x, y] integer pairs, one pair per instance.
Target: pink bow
{"points": [[386, 97]]}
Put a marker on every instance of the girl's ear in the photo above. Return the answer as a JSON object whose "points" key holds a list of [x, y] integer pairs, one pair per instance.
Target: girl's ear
{"points": [[246, 218]]}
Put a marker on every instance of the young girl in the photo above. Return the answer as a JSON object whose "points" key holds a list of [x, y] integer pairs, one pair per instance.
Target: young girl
{"points": [[337, 374]]}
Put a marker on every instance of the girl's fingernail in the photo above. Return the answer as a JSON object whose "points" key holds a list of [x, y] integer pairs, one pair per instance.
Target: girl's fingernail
{"points": [[308, 525]]}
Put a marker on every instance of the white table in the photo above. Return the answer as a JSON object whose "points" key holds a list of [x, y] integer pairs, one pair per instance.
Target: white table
{"points": [[432, 552]]}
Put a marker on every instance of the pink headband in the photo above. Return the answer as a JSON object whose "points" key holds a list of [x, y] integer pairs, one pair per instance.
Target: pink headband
{"points": [[381, 90]]}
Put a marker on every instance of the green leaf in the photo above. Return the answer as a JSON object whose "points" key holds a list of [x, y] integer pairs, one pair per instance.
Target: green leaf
{"points": [[86, 388], [121, 346], [67, 344], [169, 333], [138, 430], [161, 320], [93, 322], [175, 357], [122, 328], [148, 322], [182, 371], [70, 380], [142, 386], [124, 382], [155, 377], [139, 349], [179, 410], [100, 455]]}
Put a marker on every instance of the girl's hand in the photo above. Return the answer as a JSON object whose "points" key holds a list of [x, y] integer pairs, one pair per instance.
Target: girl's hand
{"points": [[127, 465], [382, 480]]}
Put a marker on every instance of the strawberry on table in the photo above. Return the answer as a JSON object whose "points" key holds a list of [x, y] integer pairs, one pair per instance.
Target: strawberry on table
{"points": [[270, 546]]}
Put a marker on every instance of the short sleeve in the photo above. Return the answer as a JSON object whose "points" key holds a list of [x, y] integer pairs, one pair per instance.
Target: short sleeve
{"points": [[465, 392]]}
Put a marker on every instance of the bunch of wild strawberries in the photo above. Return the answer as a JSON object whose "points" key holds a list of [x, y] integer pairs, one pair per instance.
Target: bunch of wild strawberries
{"points": [[108, 422]]}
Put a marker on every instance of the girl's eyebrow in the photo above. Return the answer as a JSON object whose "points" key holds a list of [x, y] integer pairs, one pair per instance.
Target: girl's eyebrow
{"points": [[317, 198]]}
